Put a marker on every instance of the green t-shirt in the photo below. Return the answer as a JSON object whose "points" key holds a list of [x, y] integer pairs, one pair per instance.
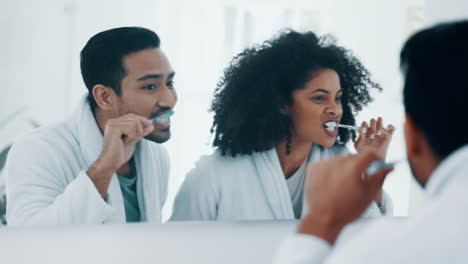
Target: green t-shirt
{"points": [[130, 197]]}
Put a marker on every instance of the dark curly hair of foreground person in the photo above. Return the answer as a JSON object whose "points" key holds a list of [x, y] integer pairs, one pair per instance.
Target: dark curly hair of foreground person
{"points": [[259, 82]]}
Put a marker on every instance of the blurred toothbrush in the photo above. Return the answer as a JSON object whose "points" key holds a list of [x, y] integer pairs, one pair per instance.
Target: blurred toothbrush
{"points": [[332, 125]]}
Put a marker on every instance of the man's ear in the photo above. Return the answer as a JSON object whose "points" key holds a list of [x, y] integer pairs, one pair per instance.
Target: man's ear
{"points": [[104, 96], [422, 159]]}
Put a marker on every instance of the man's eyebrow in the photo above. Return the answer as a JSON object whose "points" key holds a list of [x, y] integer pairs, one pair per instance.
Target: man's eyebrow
{"points": [[155, 76], [150, 76]]}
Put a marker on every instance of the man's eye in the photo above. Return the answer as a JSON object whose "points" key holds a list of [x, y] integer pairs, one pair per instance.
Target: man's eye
{"points": [[338, 99], [149, 87], [170, 84]]}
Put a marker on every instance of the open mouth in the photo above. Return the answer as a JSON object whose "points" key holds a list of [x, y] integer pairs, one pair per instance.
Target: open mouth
{"points": [[331, 128], [163, 121]]}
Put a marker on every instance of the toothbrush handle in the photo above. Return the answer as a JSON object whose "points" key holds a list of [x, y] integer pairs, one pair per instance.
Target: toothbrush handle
{"points": [[356, 128], [350, 127]]}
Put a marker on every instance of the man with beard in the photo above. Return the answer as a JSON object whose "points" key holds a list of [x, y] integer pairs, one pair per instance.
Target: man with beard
{"points": [[105, 164]]}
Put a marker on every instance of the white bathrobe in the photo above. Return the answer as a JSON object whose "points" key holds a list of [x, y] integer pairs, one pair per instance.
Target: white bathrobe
{"points": [[247, 187], [46, 180], [436, 233]]}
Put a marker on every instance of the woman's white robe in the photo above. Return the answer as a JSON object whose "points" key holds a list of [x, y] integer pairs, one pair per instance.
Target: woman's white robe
{"points": [[247, 187]]}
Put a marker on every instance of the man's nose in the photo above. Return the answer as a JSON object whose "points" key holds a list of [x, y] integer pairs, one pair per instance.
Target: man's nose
{"points": [[168, 97]]}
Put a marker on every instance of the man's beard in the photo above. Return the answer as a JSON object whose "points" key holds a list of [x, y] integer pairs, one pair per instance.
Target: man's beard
{"points": [[159, 138]]}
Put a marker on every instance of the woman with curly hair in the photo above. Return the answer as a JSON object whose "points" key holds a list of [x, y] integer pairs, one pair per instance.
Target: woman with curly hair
{"points": [[271, 110]]}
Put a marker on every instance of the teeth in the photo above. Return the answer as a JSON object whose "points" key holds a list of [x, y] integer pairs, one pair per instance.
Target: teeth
{"points": [[330, 126], [163, 121]]}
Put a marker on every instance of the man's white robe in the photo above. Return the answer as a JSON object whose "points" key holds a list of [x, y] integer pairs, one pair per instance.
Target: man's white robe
{"points": [[436, 233], [46, 180]]}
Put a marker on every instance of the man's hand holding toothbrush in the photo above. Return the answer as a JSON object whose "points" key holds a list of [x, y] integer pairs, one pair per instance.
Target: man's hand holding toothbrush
{"points": [[120, 137]]}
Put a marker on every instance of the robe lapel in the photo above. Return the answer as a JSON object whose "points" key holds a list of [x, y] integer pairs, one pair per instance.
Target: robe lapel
{"points": [[318, 153], [91, 142], [274, 185], [148, 182]]}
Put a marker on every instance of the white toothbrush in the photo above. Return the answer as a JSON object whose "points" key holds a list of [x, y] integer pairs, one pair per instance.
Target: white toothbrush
{"points": [[356, 128]]}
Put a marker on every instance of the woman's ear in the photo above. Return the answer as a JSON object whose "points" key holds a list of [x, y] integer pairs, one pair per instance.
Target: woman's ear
{"points": [[104, 96]]}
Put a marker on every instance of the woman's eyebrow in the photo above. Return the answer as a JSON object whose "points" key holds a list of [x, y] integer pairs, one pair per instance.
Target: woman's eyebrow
{"points": [[320, 90], [323, 91]]}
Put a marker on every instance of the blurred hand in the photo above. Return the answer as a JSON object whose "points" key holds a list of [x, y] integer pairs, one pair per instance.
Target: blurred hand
{"points": [[337, 194]]}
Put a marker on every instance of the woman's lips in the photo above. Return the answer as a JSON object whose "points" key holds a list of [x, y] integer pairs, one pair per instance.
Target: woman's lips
{"points": [[332, 133], [331, 128]]}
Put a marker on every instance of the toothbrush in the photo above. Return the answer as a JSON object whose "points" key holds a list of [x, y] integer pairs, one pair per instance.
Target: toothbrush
{"points": [[166, 115], [349, 127], [156, 119], [375, 166], [356, 128]]}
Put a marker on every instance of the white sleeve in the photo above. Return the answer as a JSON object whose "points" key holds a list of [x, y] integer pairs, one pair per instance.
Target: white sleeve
{"points": [[166, 166], [302, 249], [38, 192], [197, 198]]}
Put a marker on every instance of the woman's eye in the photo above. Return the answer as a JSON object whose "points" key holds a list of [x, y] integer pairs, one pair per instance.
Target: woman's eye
{"points": [[170, 84], [319, 98], [149, 87], [338, 99]]}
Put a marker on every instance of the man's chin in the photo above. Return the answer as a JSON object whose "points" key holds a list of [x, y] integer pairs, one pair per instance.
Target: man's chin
{"points": [[159, 138]]}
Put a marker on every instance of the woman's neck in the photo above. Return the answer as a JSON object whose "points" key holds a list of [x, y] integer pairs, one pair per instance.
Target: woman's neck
{"points": [[290, 163]]}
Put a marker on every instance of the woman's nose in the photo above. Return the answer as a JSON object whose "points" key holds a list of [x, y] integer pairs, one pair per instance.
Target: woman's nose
{"points": [[333, 109]]}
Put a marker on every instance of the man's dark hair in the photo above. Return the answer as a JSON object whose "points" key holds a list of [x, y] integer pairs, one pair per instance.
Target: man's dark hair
{"points": [[435, 64], [260, 82], [102, 56]]}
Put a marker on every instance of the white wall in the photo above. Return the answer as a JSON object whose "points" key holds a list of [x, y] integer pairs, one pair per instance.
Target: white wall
{"points": [[446, 10]]}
